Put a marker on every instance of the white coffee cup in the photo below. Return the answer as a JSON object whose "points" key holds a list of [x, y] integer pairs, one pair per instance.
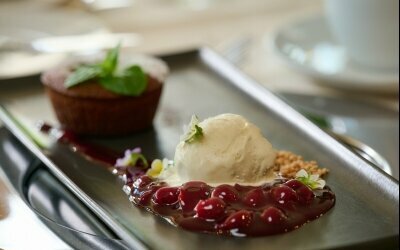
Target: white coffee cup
{"points": [[368, 30]]}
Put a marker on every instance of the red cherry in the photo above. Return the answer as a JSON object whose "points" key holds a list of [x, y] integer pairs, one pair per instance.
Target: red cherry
{"points": [[145, 196], [254, 198], [283, 194], [191, 193], [142, 181], [294, 184], [305, 194], [226, 192], [210, 209], [166, 195], [272, 215], [240, 219]]}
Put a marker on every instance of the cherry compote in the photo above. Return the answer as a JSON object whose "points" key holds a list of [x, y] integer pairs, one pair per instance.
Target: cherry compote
{"points": [[237, 210]]}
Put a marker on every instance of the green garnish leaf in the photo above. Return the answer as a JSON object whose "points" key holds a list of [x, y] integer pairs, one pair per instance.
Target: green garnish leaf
{"points": [[318, 120], [82, 74], [135, 157], [132, 81], [136, 79], [311, 180], [194, 132], [109, 64]]}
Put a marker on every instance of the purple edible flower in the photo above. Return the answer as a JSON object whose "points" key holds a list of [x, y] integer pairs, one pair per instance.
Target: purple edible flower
{"points": [[126, 160]]}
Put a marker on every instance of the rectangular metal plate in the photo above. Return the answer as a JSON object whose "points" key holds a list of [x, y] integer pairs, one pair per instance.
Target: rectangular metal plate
{"points": [[203, 83]]}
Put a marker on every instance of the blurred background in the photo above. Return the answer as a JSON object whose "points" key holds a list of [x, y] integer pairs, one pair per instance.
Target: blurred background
{"points": [[296, 49], [273, 35]]}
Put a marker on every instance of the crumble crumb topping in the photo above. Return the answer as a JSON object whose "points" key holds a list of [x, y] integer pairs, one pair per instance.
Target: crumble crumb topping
{"points": [[288, 164]]}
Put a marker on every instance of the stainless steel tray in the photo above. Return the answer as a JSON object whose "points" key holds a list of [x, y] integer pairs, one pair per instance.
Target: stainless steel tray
{"points": [[202, 83]]}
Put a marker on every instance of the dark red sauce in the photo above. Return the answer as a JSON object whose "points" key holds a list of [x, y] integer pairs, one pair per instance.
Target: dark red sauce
{"points": [[87, 149], [273, 208]]}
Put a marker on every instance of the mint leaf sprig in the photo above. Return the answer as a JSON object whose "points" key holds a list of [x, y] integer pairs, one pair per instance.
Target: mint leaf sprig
{"points": [[313, 181], [132, 81], [82, 74], [194, 131], [110, 63]]}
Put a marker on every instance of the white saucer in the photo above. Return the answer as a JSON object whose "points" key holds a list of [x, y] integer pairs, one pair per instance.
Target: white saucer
{"points": [[309, 47], [33, 20]]}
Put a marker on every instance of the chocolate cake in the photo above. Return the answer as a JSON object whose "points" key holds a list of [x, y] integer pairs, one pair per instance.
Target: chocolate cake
{"points": [[90, 109]]}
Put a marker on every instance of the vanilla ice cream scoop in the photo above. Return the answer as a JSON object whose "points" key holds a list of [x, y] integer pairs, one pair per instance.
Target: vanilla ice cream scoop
{"points": [[230, 150]]}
